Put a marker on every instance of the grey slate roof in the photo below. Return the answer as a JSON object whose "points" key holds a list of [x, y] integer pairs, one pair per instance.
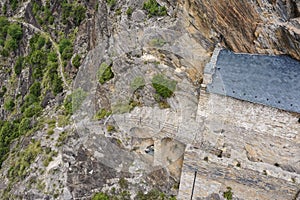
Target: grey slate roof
{"points": [[269, 80]]}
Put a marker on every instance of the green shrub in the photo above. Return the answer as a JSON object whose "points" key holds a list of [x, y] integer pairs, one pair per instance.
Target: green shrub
{"points": [[64, 43], [61, 139], [154, 9], [137, 83], [129, 11], [11, 44], [24, 126], [35, 89], [4, 52], [19, 167], [100, 196], [111, 3], [4, 9], [67, 53], [57, 84], [14, 4], [35, 8], [50, 132], [119, 11], [102, 113], [51, 20], [9, 105], [19, 65], [29, 100], [3, 24], [79, 14], [38, 57], [228, 194], [110, 128], [3, 91], [157, 42], [104, 73], [8, 132], [49, 156], [163, 86], [52, 57], [32, 42], [76, 61], [33, 110], [66, 11], [40, 42], [123, 183], [68, 105], [15, 31], [3, 153]]}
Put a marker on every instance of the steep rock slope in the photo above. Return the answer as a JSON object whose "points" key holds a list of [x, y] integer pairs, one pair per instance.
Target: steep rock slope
{"points": [[78, 147]]}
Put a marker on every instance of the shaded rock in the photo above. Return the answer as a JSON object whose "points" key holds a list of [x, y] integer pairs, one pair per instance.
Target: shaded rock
{"points": [[138, 16]]}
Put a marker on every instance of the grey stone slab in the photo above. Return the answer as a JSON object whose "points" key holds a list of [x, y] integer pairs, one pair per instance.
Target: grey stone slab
{"points": [[270, 80]]}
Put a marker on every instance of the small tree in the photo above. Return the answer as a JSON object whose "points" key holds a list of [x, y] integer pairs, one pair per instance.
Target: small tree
{"points": [[104, 73], [15, 31], [64, 43], [79, 14]]}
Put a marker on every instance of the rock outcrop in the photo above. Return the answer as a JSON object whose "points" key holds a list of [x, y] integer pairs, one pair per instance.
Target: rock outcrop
{"points": [[267, 27]]}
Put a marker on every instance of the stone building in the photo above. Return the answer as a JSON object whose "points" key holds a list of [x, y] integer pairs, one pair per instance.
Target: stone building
{"points": [[248, 145]]}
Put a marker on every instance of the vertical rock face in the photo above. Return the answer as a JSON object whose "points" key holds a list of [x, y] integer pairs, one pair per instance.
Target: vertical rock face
{"points": [[246, 26]]}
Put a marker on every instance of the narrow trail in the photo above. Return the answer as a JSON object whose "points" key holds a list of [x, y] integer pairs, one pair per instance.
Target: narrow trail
{"points": [[55, 45]]}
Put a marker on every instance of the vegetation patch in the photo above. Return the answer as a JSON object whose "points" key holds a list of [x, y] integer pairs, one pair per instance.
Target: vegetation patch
{"points": [[61, 139], [157, 42], [124, 107], [49, 157], [9, 104], [104, 73], [19, 65], [154, 9], [65, 48], [111, 3], [228, 194], [100, 196], [10, 36], [76, 62], [164, 87], [26, 157], [102, 113], [110, 128], [129, 11]]}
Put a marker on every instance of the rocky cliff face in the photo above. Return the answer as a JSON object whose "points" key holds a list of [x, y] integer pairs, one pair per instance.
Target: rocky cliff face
{"points": [[268, 27], [107, 129]]}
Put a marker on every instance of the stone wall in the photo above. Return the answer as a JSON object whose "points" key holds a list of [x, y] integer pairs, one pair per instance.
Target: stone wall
{"points": [[251, 148]]}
